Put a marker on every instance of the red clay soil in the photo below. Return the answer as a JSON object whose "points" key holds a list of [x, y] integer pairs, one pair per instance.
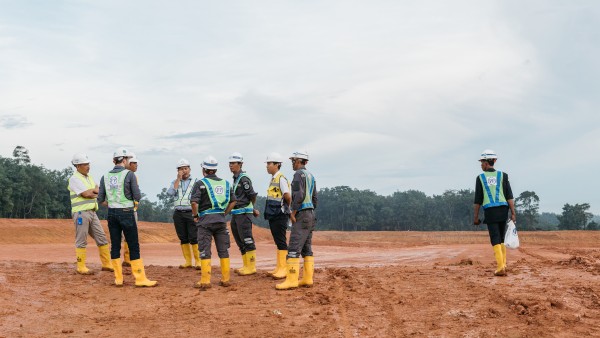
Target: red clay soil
{"points": [[375, 284]]}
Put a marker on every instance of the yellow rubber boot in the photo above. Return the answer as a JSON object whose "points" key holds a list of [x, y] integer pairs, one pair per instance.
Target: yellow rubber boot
{"points": [[291, 279], [282, 267], [309, 269], [187, 254], [244, 264], [196, 253], [204, 282], [105, 258], [137, 268], [270, 273], [225, 272], [503, 255], [500, 271], [251, 268], [81, 268], [126, 260], [118, 269]]}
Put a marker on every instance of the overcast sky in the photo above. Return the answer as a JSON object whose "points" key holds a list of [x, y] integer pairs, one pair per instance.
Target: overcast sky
{"points": [[384, 95]]}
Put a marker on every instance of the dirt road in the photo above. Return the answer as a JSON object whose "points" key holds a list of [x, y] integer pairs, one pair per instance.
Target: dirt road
{"points": [[385, 284]]}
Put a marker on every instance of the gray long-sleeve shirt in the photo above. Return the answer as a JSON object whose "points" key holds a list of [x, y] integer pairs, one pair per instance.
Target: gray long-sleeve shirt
{"points": [[132, 190], [299, 190]]}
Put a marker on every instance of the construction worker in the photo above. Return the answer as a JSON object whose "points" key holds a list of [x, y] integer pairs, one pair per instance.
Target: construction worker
{"points": [[277, 211], [83, 192], [241, 223], [211, 199], [185, 227], [493, 192], [303, 217], [133, 167], [118, 190]]}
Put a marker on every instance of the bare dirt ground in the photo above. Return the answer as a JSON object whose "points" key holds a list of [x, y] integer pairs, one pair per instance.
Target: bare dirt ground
{"points": [[374, 284]]}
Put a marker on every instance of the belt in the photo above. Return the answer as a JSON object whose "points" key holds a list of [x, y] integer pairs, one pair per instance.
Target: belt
{"points": [[183, 210]]}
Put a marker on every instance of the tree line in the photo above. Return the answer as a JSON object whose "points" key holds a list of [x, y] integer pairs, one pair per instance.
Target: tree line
{"points": [[32, 191]]}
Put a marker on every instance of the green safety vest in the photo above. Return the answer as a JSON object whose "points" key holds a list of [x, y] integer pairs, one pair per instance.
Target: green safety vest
{"points": [[492, 182], [247, 209], [80, 203], [114, 184], [218, 192], [183, 197], [310, 184]]}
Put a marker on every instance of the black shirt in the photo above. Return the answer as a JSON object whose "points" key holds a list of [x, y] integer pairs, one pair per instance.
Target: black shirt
{"points": [[494, 214]]}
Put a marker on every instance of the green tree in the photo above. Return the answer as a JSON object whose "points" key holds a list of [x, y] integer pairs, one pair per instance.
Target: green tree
{"points": [[574, 217], [21, 154], [527, 205]]}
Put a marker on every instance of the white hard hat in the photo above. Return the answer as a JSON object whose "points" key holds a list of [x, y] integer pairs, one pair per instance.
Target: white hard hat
{"points": [[133, 158], [122, 152], [488, 154], [183, 163], [236, 157], [274, 157], [80, 158], [300, 154], [210, 163]]}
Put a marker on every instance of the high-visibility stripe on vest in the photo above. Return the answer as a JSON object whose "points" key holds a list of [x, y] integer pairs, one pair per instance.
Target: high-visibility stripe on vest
{"points": [[247, 209], [274, 197], [494, 189], [183, 197], [80, 203], [218, 192], [308, 194], [114, 184]]}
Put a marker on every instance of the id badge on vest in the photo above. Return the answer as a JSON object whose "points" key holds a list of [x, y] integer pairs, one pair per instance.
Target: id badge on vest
{"points": [[491, 180]]}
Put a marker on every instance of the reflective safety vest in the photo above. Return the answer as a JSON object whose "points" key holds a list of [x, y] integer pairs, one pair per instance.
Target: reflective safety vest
{"points": [[114, 184], [218, 192], [80, 203], [247, 209], [493, 195], [308, 194], [183, 197], [274, 197]]}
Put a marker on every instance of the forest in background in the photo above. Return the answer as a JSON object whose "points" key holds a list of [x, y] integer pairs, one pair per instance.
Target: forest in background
{"points": [[32, 191]]}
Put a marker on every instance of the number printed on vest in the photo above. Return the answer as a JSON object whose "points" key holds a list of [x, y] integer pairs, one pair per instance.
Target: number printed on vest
{"points": [[113, 183], [219, 190]]}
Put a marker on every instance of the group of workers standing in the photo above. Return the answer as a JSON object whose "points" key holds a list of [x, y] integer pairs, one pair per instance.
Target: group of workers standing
{"points": [[200, 207]]}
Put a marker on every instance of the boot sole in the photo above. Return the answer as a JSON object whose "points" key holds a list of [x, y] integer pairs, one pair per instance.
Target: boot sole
{"points": [[146, 286], [89, 273], [292, 288], [246, 273], [225, 284], [108, 269]]}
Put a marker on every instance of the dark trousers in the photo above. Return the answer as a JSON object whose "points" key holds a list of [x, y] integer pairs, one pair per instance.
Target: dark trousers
{"points": [[497, 231], [123, 221], [205, 235], [185, 227], [241, 227], [301, 237], [278, 226]]}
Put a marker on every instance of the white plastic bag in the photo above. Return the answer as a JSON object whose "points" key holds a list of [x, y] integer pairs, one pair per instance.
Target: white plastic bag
{"points": [[511, 239]]}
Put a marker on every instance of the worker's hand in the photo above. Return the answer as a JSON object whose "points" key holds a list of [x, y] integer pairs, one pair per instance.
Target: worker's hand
{"points": [[477, 221], [179, 174], [513, 217], [293, 218], [256, 213]]}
